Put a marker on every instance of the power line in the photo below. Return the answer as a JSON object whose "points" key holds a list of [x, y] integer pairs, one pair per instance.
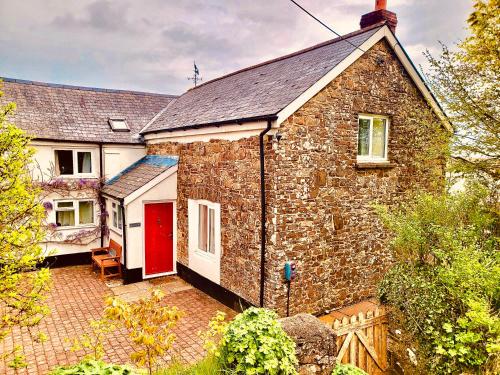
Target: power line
{"points": [[325, 25]]}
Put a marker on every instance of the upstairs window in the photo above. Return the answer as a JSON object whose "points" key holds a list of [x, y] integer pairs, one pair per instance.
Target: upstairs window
{"points": [[72, 162], [372, 138], [118, 124]]}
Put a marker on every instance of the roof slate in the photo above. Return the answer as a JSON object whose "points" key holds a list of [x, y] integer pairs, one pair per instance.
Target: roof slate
{"points": [[138, 174], [74, 113], [258, 91]]}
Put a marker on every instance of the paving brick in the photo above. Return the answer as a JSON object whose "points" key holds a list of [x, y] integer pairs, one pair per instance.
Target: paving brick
{"points": [[77, 296]]}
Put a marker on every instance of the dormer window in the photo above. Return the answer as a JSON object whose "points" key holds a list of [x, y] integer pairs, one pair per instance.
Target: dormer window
{"points": [[118, 124]]}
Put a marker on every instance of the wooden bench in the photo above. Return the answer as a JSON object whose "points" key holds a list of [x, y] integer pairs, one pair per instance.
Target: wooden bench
{"points": [[108, 257]]}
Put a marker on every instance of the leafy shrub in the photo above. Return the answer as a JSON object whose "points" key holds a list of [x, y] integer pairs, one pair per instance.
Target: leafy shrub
{"points": [[149, 324], [347, 370], [255, 343], [93, 367], [444, 289]]}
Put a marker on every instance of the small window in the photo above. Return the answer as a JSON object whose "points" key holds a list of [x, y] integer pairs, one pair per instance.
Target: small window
{"points": [[74, 213], [72, 162], [206, 229], [118, 124], [372, 137], [117, 216]]}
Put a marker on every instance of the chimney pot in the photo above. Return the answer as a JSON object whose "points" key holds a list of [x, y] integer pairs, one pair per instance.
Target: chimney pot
{"points": [[380, 4], [379, 15]]}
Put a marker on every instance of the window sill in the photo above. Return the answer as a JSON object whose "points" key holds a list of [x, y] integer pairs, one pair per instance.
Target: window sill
{"points": [[76, 176], [374, 165], [76, 227]]}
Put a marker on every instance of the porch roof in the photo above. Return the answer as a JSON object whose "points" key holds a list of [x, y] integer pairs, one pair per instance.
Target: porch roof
{"points": [[138, 174]]}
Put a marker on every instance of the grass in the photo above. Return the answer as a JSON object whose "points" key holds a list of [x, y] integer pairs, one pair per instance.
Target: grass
{"points": [[207, 366]]}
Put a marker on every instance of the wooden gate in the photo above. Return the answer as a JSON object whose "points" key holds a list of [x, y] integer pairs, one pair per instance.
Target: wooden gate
{"points": [[362, 341]]}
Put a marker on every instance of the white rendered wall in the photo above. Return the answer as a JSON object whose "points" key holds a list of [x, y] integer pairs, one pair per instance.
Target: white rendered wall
{"points": [[165, 191], [119, 157]]}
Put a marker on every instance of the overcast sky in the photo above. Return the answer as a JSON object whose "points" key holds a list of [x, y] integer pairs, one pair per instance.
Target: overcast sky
{"points": [[150, 45]]}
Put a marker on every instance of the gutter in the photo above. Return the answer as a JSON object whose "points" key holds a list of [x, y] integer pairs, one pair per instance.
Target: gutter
{"points": [[262, 212], [101, 198], [238, 121], [124, 234]]}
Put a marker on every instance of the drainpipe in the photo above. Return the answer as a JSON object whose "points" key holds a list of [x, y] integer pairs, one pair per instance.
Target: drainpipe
{"points": [[124, 233], [101, 198], [262, 212]]}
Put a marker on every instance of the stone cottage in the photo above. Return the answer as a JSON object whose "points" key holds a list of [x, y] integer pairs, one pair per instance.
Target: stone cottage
{"points": [[281, 162]]}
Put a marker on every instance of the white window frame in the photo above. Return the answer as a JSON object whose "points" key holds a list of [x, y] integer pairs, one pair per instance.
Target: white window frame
{"points": [[210, 219], [200, 261], [75, 163], [76, 209], [370, 157], [113, 120], [117, 209]]}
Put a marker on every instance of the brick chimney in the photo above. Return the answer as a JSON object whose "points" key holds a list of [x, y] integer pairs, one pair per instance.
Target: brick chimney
{"points": [[380, 14]]}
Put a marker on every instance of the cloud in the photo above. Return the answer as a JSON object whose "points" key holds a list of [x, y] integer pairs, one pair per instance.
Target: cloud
{"points": [[151, 44], [102, 15]]}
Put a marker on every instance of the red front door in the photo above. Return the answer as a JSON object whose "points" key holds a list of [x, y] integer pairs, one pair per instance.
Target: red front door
{"points": [[158, 230]]}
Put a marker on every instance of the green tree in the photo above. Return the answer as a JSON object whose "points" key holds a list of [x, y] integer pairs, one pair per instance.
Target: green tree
{"points": [[466, 80], [22, 286], [444, 290]]}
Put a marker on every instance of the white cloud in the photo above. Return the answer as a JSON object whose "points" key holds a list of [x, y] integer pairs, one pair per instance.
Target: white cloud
{"points": [[151, 44]]}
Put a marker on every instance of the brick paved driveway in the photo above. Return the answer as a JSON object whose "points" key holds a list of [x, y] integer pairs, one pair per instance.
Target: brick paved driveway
{"points": [[77, 296]]}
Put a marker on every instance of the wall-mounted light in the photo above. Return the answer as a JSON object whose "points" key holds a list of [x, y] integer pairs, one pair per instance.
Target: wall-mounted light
{"points": [[277, 137]]}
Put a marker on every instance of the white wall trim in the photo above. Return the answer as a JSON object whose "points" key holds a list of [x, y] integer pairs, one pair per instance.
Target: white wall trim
{"points": [[224, 132], [349, 60], [155, 181]]}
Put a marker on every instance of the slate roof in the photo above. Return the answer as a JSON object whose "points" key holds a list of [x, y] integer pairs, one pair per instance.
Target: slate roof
{"points": [[260, 90], [138, 174], [74, 113]]}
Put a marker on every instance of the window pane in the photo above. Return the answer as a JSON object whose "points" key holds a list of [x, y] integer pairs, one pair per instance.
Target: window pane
{"points": [[363, 137], [120, 217], [211, 232], [115, 219], [118, 124], [202, 227], [65, 218], [64, 204], [64, 162], [378, 138], [84, 162], [86, 212]]}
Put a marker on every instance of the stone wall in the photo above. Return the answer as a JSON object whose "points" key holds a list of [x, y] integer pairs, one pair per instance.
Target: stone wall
{"points": [[321, 202], [226, 172], [315, 344]]}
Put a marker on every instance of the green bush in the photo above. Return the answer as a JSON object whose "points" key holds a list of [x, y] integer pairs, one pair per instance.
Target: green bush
{"points": [[89, 367], [347, 370], [444, 289], [255, 343]]}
